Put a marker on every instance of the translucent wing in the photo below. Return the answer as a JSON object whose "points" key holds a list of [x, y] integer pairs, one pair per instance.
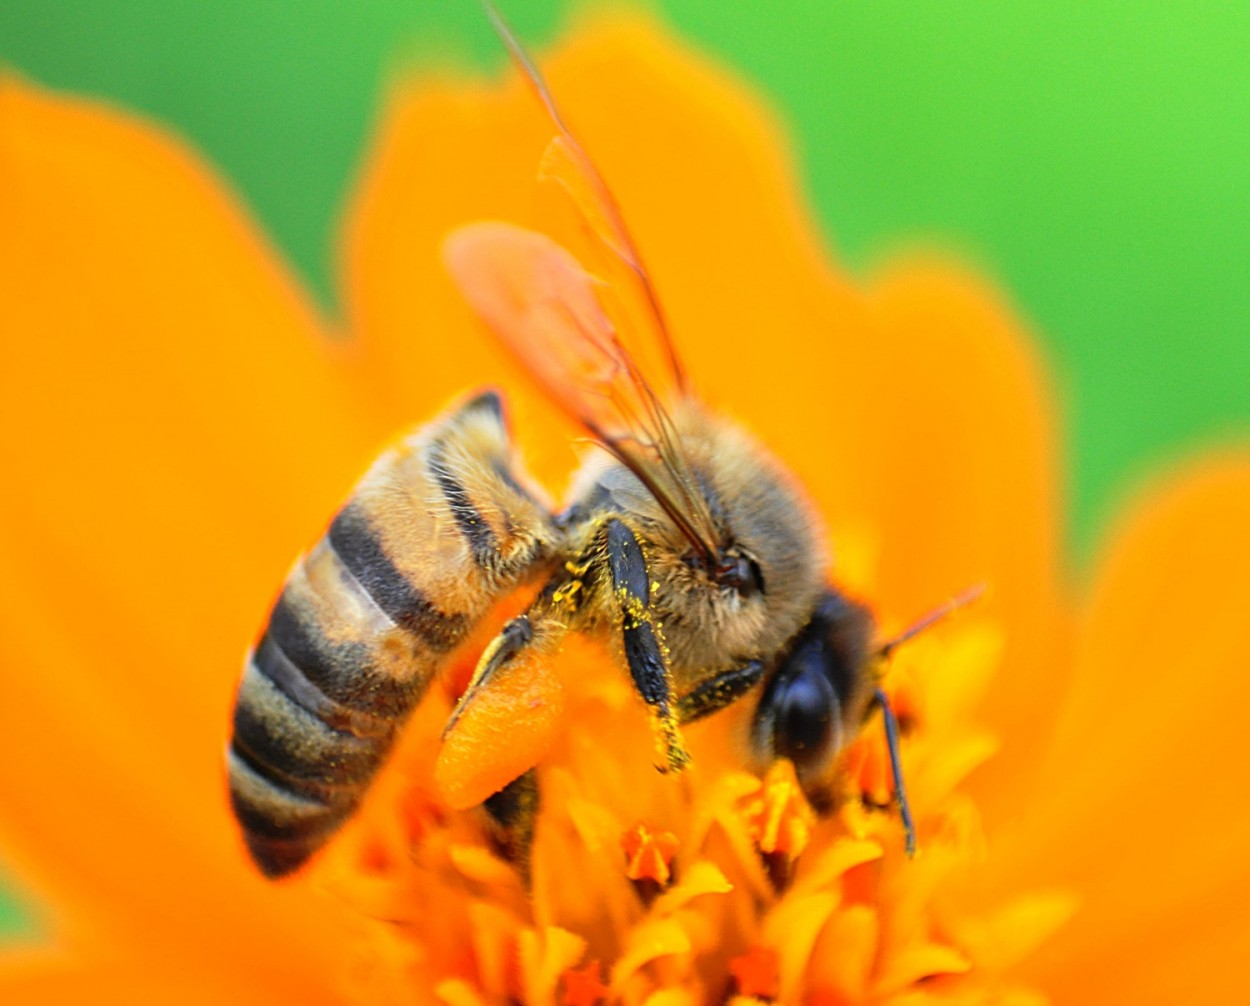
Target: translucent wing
{"points": [[547, 309], [566, 164], [597, 342]]}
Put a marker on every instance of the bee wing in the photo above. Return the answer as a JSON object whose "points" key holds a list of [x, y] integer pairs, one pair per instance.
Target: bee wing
{"points": [[549, 311], [567, 165], [603, 243], [536, 297], [597, 342]]}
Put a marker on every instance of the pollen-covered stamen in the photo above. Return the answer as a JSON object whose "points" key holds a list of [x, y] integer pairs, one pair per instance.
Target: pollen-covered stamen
{"points": [[649, 854], [779, 820], [757, 973], [584, 986], [778, 816]]}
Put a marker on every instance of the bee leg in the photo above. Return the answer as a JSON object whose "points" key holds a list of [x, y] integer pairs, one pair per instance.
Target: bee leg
{"points": [[719, 691], [514, 637], [644, 649], [510, 816], [508, 717], [896, 768]]}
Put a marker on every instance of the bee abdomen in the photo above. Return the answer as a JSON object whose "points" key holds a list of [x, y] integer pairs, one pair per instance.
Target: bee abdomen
{"points": [[270, 662], [279, 729], [360, 550], [283, 823], [435, 531], [322, 697], [298, 760]]}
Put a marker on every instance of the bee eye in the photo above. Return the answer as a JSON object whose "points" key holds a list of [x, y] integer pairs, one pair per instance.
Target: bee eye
{"points": [[799, 712], [741, 573], [757, 575]]}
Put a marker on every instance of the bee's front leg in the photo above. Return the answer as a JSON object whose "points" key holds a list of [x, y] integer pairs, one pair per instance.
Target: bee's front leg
{"points": [[720, 690], [640, 635]]}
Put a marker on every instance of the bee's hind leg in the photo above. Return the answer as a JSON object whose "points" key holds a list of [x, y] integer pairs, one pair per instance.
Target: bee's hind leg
{"points": [[509, 715], [644, 648], [512, 640], [484, 753], [510, 816]]}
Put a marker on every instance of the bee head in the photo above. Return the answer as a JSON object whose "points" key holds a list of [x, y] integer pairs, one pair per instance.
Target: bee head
{"points": [[817, 694]]}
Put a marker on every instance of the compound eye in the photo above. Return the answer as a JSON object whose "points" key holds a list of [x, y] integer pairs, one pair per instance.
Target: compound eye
{"points": [[804, 713], [741, 573]]}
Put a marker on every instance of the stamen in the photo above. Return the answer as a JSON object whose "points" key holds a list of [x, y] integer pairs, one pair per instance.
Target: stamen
{"points": [[778, 817], [584, 986], [758, 973], [648, 854]]}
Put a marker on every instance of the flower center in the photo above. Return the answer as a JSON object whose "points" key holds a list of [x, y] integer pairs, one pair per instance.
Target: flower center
{"points": [[709, 884]]}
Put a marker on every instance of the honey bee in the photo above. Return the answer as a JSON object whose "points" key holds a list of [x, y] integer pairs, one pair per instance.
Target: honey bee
{"points": [[686, 548]]}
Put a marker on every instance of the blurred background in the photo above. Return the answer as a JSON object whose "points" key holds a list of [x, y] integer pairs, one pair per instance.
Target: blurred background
{"points": [[1090, 159]]}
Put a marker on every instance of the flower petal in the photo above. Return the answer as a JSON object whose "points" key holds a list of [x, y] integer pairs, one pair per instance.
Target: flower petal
{"points": [[648, 941], [980, 508], [843, 956], [49, 984], [161, 372], [791, 929], [1143, 811], [545, 955]]}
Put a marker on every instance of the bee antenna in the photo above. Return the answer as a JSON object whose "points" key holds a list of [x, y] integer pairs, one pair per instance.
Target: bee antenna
{"points": [[938, 614]]}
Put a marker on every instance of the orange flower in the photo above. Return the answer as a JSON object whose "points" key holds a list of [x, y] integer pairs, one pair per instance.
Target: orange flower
{"points": [[180, 423]]}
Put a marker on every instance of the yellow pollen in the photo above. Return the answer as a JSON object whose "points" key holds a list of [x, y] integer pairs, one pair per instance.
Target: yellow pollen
{"points": [[584, 986], [566, 593], [778, 816], [649, 854], [757, 973], [770, 901]]}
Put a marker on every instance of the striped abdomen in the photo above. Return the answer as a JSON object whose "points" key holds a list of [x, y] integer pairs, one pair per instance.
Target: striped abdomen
{"points": [[437, 530]]}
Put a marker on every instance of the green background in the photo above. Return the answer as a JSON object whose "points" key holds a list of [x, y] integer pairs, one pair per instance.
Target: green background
{"points": [[1091, 158]]}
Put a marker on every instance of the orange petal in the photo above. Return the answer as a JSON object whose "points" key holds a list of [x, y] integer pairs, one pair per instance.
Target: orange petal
{"points": [[843, 956], [700, 878], [964, 417], [545, 955], [446, 155], [72, 984], [916, 964], [49, 980], [646, 942], [1143, 814], [165, 390]]}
